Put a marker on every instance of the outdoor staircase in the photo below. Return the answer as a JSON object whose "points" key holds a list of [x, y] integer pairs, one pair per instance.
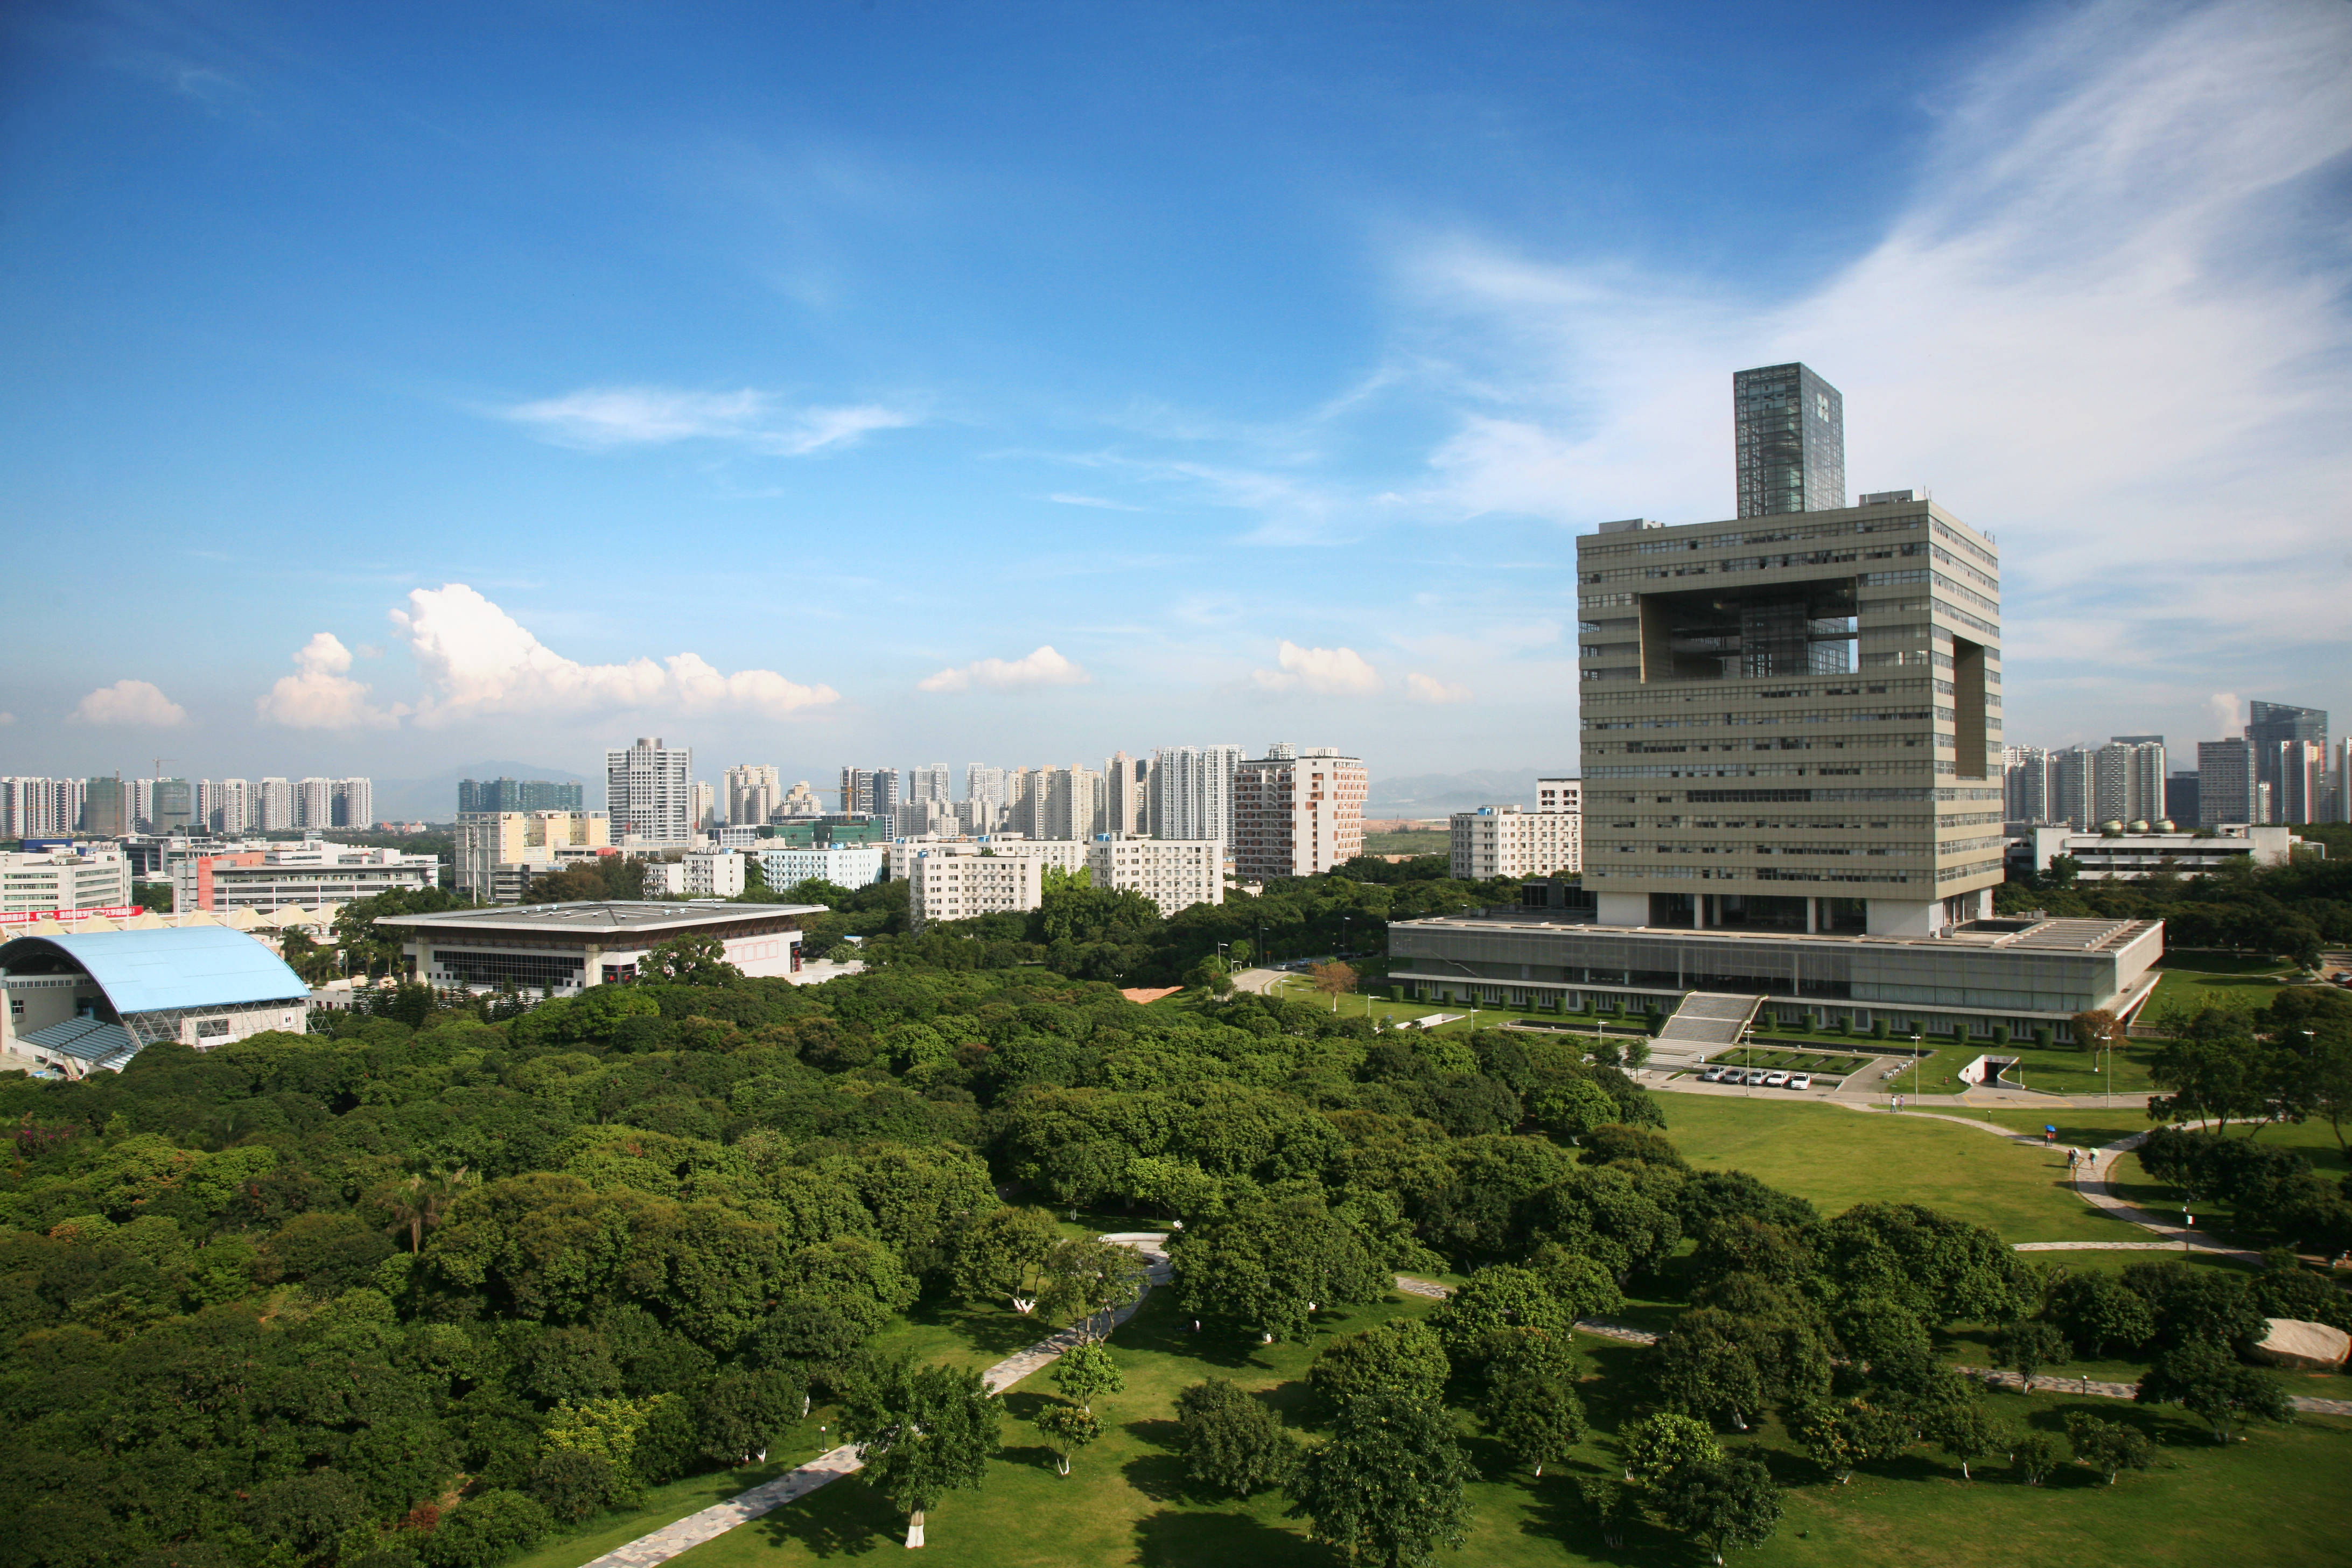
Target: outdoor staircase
{"points": [[1705, 1022]]}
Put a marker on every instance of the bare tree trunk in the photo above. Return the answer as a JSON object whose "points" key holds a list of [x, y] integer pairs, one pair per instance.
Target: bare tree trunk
{"points": [[915, 1529]]}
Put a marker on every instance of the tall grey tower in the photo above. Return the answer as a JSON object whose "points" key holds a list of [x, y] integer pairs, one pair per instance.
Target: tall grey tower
{"points": [[1791, 441]]}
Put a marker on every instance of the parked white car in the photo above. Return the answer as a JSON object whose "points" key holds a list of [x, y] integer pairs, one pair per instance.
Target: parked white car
{"points": [[1800, 1080]]}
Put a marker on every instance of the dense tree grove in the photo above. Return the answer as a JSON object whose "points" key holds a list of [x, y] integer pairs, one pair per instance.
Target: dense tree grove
{"points": [[460, 1272]]}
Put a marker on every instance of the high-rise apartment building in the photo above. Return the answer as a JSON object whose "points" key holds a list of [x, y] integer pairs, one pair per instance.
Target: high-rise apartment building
{"points": [[2127, 781], [354, 804], [171, 806], [754, 793], [983, 806], [2225, 783], [1790, 436], [314, 803], [932, 781], [41, 808], [2025, 784], [273, 801], [1189, 792], [1296, 812], [649, 792], [1127, 807], [474, 796], [2301, 791], [870, 792], [233, 811]]}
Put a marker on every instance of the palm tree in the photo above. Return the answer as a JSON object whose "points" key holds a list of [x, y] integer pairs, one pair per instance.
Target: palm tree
{"points": [[422, 1201]]}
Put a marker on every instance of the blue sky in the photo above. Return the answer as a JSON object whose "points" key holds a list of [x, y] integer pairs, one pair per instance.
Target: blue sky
{"points": [[387, 388]]}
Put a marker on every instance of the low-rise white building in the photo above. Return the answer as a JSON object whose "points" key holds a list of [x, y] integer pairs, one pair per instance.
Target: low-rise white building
{"points": [[1173, 873], [714, 874], [851, 866], [1505, 841], [2106, 857], [311, 873], [82, 877]]}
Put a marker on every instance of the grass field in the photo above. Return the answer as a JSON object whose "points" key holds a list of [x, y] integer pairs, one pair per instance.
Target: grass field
{"points": [[2196, 979], [1838, 1158], [1413, 841]]}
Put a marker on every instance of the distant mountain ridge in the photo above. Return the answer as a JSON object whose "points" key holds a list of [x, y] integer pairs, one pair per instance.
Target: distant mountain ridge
{"points": [[435, 799], [1441, 795]]}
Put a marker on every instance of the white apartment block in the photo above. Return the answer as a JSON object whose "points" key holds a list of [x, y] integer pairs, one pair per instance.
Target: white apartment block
{"points": [[663, 880], [851, 866], [1504, 841], [802, 801], [1296, 812], [274, 807], [88, 877], [714, 874], [959, 882], [1126, 805], [314, 803], [1173, 873], [499, 852], [1190, 791], [354, 803], [649, 792], [282, 876]]}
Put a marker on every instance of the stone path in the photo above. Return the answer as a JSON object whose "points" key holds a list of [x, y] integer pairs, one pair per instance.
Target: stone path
{"points": [[827, 1468], [2098, 1389], [1412, 1285]]}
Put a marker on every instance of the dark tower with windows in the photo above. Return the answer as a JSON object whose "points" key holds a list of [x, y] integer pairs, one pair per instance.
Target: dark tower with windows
{"points": [[1791, 441]]}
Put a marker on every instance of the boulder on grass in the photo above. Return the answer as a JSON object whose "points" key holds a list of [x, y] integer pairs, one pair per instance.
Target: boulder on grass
{"points": [[2309, 1347]]}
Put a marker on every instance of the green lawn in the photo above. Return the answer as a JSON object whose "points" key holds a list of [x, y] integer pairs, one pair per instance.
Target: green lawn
{"points": [[2194, 980], [1128, 1501], [1412, 841], [1839, 1158]]}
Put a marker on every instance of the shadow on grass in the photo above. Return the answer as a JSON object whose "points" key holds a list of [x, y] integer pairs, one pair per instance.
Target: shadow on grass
{"points": [[846, 1518], [1158, 1326], [1174, 1538], [998, 1334], [1160, 1477]]}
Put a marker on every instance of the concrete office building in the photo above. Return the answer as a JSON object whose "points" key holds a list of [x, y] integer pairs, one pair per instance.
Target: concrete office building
{"points": [[105, 808], [71, 877], [2225, 783], [286, 875], [1792, 776], [499, 852], [1505, 841], [476, 796], [1296, 812], [2278, 733], [564, 948], [649, 792], [2181, 802], [86, 1001]]}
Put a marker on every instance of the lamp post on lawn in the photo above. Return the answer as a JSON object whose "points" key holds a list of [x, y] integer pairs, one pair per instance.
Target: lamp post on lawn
{"points": [[1914, 1067], [1748, 1043]]}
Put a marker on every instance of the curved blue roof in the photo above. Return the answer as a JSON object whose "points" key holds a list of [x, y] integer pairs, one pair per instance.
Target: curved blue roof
{"points": [[194, 966]]}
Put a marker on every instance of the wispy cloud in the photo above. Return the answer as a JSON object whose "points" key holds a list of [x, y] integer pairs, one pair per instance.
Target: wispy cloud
{"points": [[1318, 672], [610, 416], [480, 663], [129, 703], [1420, 687], [1041, 667], [1066, 499]]}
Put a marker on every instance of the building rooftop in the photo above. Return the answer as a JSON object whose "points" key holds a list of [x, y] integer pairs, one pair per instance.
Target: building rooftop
{"points": [[613, 917], [147, 971], [2026, 932]]}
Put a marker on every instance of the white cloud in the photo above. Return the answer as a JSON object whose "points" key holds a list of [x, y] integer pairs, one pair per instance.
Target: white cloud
{"points": [[1319, 671], [7, 718], [130, 702], [599, 416], [480, 662], [2229, 714], [1420, 687], [1043, 667], [319, 696]]}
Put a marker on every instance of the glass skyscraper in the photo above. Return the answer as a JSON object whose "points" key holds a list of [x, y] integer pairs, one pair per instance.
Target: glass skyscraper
{"points": [[1791, 441]]}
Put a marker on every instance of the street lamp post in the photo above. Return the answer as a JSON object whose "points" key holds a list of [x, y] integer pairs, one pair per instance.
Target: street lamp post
{"points": [[1914, 1067]]}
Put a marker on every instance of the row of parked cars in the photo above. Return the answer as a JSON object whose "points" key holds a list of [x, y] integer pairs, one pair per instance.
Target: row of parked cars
{"points": [[1769, 1078]]}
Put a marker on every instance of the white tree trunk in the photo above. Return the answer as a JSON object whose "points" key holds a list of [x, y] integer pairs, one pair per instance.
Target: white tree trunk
{"points": [[1061, 1464], [915, 1529]]}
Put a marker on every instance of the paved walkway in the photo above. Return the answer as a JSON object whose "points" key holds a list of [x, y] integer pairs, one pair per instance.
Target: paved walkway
{"points": [[1412, 1285], [827, 1468]]}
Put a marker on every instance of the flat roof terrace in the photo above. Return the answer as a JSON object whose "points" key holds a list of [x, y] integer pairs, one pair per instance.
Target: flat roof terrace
{"points": [[591, 921], [2048, 933]]}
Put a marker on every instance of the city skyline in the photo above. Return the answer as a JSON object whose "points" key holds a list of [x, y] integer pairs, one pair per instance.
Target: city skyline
{"points": [[1022, 458]]}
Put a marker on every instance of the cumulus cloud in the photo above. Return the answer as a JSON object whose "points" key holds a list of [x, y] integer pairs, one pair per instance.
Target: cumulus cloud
{"points": [[130, 702], [1319, 672], [608, 416], [479, 662], [1043, 667], [319, 696], [1420, 687], [2229, 713]]}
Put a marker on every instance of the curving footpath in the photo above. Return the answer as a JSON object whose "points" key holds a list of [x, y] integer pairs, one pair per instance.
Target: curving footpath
{"points": [[829, 1466]]}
